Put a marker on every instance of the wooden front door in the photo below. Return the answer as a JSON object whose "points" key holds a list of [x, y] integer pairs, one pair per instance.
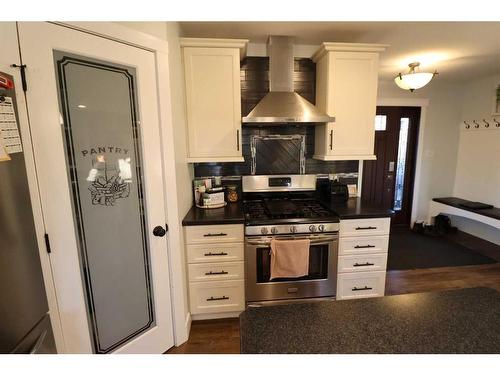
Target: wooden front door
{"points": [[388, 181]]}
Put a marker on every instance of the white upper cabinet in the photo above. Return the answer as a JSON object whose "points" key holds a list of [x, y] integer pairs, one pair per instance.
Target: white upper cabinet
{"points": [[346, 88], [213, 98]]}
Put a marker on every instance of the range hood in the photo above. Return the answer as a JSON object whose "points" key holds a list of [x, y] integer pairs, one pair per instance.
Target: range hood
{"points": [[283, 105]]}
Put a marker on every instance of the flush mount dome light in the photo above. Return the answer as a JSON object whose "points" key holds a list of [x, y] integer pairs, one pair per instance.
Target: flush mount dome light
{"points": [[413, 80]]}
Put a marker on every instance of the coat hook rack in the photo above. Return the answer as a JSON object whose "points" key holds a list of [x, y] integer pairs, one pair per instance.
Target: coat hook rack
{"points": [[484, 123]]}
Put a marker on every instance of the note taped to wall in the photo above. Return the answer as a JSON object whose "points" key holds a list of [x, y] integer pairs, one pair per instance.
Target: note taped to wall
{"points": [[3, 153], [9, 130]]}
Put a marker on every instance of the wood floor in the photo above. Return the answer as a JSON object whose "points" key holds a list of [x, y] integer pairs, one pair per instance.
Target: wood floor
{"points": [[222, 336]]}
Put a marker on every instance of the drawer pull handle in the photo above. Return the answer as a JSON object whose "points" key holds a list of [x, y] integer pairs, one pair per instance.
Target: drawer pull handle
{"points": [[210, 254], [363, 264], [215, 234], [355, 289], [364, 228], [217, 298], [216, 273], [363, 246]]}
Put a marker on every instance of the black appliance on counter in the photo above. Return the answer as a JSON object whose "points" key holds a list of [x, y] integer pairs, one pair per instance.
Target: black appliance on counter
{"points": [[338, 192], [332, 190]]}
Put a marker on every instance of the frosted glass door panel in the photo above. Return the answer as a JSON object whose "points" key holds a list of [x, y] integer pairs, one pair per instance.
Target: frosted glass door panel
{"points": [[101, 128]]}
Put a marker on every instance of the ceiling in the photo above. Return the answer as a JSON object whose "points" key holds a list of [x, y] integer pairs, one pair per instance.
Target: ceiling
{"points": [[460, 51]]}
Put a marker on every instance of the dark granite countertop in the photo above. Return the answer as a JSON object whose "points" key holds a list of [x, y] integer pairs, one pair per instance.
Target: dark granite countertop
{"points": [[355, 208], [454, 321], [455, 202], [232, 213]]}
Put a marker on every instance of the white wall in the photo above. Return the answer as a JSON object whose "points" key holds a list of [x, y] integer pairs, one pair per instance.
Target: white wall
{"points": [[439, 146], [184, 171], [157, 29], [477, 176]]}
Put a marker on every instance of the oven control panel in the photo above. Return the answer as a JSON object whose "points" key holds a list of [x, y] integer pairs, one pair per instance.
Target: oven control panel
{"points": [[280, 181], [259, 230]]}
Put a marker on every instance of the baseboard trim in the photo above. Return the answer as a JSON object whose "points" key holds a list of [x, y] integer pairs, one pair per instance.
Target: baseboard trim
{"points": [[188, 324], [233, 314]]}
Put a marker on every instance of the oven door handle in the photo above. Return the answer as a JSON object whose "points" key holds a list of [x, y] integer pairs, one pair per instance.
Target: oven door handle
{"points": [[314, 241]]}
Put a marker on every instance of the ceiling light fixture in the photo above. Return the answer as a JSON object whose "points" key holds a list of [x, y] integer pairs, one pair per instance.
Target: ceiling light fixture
{"points": [[413, 80]]}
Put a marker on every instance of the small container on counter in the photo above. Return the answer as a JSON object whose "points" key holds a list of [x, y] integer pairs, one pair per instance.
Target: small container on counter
{"points": [[232, 193], [207, 194]]}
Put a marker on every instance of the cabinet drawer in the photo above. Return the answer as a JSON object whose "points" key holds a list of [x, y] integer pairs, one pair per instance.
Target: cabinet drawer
{"points": [[363, 245], [217, 296], [360, 285], [362, 263], [216, 271], [364, 227], [199, 234], [217, 252]]}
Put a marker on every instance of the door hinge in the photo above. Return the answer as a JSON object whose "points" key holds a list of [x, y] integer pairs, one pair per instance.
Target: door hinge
{"points": [[22, 67], [47, 243]]}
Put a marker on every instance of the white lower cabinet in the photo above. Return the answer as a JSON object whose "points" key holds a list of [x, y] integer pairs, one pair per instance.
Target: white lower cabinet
{"points": [[365, 227], [216, 270], [363, 245], [217, 297], [362, 263], [215, 252], [361, 285], [362, 257]]}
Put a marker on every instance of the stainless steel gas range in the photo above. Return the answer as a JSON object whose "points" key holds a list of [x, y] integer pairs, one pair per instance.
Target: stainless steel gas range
{"points": [[285, 207]]}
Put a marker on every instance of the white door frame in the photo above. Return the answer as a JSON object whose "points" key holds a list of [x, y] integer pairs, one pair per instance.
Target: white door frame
{"points": [[159, 47], [36, 205], [408, 102]]}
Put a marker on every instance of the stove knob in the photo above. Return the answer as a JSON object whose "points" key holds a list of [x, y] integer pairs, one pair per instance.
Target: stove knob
{"points": [[274, 230], [312, 228], [263, 230], [321, 227], [293, 229]]}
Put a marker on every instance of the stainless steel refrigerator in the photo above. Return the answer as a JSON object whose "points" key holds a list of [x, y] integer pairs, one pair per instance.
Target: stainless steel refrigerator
{"points": [[24, 320]]}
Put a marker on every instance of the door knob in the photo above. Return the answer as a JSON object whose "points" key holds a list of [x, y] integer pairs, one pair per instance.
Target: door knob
{"points": [[159, 231]]}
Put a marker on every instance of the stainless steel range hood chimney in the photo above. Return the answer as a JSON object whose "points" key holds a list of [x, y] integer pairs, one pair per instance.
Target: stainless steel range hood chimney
{"points": [[283, 105]]}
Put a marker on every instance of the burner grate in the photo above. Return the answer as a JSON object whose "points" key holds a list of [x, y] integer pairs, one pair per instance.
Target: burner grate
{"points": [[273, 209]]}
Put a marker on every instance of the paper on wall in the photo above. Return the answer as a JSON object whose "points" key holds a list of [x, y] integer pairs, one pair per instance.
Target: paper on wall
{"points": [[9, 130], [3, 153]]}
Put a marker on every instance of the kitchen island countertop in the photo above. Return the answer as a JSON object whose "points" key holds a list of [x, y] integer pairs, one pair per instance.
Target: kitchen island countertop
{"points": [[453, 321]]}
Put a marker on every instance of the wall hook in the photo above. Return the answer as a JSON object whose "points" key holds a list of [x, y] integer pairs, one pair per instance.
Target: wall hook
{"points": [[486, 123], [467, 125], [497, 124], [476, 124]]}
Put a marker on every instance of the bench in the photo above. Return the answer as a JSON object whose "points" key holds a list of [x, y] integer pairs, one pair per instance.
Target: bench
{"points": [[453, 206]]}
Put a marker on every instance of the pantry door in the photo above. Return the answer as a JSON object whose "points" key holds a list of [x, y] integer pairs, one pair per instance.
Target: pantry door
{"points": [[94, 118]]}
